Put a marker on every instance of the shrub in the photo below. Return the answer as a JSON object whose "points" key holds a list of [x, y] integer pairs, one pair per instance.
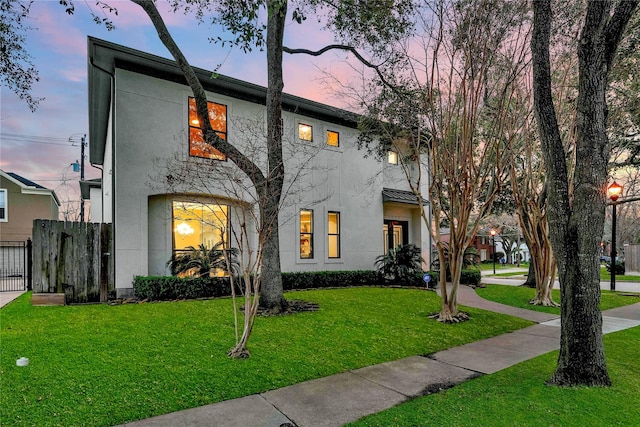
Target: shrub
{"points": [[201, 261], [165, 288], [400, 262], [620, 268], [161, 288]]}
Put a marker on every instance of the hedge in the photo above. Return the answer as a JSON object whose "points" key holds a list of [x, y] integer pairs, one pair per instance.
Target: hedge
{"points": [[166, 288]]}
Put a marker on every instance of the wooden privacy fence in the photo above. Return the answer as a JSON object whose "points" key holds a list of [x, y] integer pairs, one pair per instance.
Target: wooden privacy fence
{"points": [[73, 258], [632, 258]]}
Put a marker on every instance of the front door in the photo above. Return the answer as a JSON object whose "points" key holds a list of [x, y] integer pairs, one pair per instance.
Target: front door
{"points": [[395, 233]]}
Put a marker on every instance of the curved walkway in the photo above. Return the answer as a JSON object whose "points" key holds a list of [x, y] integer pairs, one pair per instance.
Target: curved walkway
{"points": [[346, 397]]}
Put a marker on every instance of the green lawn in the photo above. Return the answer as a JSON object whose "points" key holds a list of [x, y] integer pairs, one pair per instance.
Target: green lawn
{"points": [[517, 396], [517, 296], [488, 266], [103, 365], [605, 276]]}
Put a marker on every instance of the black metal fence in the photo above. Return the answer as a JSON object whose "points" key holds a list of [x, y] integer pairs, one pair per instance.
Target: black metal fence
{"points": [[15, 265]]}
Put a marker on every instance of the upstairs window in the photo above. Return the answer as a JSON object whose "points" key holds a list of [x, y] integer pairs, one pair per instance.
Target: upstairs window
{"points": [[305, 132], [218, 120], [3, 205], [333, 138], [306, 234], [392, 157]]}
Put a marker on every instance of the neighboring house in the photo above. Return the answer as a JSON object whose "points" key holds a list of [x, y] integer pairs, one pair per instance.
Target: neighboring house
{"points": [[91, 190], [344, 210], [482, 242], [22, 201], [484, 245]]}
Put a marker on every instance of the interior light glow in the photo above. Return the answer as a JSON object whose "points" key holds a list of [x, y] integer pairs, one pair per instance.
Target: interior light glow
{"points": [[184, 229]]}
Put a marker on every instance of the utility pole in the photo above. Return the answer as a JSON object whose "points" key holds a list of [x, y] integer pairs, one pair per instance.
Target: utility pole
{"points": [[83, 143]]}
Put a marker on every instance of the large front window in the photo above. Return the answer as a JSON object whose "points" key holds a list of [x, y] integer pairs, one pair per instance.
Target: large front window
{"points": [[196, 224], [306, 234], [218, 119]]}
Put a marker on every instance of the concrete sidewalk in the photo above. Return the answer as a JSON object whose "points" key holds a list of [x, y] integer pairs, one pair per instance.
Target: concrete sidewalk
{"points": [[7, 296], [346, 397]]}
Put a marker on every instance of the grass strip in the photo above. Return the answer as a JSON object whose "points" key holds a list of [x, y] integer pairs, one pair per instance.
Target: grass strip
{"points": [[518, 396], [518, 296]]}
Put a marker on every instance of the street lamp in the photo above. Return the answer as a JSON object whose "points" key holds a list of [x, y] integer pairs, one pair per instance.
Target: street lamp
{"points": [[493, 245], [614, 191]]}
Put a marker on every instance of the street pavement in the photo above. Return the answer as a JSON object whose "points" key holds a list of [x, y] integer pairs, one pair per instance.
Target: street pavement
{"points": [[346, 397]]}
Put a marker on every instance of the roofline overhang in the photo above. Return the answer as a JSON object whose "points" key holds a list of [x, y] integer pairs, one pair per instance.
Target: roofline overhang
{"points": [[105, 57], [410, 198]]}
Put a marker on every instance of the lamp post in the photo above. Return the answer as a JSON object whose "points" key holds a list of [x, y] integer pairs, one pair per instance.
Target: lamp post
{"points": [[614, 191], [493, 245]]}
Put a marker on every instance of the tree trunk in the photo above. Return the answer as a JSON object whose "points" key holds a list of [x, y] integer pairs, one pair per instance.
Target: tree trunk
{"points": [[576, 225], [271, 294], [531, 276]]}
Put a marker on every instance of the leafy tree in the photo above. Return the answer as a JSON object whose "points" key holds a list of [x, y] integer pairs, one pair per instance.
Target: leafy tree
{"points": [[243, 20], [573, 221], [17, 71]]}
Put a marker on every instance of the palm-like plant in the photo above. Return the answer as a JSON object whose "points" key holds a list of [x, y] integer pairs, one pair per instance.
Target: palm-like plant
{"points": [[202, 260], [400, 262]]}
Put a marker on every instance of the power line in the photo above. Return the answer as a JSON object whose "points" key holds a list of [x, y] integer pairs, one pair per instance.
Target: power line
{"points": [[48, 140]]}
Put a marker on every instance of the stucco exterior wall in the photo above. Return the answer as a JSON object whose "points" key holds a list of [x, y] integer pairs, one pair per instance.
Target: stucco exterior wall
{"points": [[151, 126]]}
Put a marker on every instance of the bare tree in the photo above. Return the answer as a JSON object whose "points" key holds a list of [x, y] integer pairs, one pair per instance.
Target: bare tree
{"points": [[446, 111], [575, 222]]}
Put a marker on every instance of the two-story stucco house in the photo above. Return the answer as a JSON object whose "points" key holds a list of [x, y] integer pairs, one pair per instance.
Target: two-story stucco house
{"points": [[341, 210], [22, 201]]}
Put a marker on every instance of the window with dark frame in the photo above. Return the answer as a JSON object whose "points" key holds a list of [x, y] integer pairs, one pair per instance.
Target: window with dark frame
{"points": [[218, 119], [333, 138], [305, 132], [333, 234], [306, 234], [3, 205]]}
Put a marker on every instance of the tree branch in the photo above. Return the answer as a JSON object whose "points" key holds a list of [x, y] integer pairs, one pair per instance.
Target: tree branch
{"points": [[244, 163], [351, 49], [616, 26]]}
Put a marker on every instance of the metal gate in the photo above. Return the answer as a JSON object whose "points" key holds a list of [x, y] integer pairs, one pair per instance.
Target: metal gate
{"points": [[15, 265]]}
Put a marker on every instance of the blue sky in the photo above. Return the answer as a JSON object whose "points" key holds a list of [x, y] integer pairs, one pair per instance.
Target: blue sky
{"points": [[36, 145]]}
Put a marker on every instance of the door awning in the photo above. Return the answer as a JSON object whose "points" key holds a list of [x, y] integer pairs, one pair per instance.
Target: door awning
{"points": [[401, 196]]}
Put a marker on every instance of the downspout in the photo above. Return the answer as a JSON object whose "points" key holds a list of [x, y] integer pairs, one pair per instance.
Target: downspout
{"points": [[112, 77]]}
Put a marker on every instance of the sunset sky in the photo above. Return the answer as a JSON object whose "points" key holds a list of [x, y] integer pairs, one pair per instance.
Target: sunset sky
{"points": [[36, 145]]}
